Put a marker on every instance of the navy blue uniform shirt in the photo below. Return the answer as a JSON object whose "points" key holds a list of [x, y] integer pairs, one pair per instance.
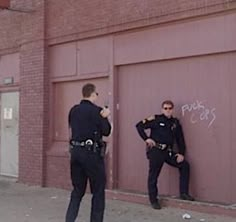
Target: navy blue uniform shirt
{"points": [[163, 130], [85, 120]]}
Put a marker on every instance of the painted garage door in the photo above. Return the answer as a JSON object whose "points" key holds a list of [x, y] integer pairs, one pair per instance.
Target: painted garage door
{"points": [[202, 89]]}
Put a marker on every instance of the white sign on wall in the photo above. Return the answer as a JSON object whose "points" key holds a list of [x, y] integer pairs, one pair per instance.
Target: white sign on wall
{"points": [[7, 113]]}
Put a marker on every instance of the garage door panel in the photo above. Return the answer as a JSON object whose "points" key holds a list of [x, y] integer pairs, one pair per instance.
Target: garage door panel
{"points": [[66, 95], [199, 87]]}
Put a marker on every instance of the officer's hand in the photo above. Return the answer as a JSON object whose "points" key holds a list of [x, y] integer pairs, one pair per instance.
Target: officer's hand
{"points": [[150, 142], [105, 112], [180, 158]]}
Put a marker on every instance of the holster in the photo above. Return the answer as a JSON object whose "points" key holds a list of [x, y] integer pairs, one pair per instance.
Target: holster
{"points": [[101, 147]]}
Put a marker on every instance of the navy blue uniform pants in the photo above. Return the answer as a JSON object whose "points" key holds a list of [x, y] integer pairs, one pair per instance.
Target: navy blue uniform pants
{"points": [[157, 158], [86, 165]]}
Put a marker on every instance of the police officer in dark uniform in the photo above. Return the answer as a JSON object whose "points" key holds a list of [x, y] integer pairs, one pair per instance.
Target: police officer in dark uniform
{"points": [[165, 131], [88, 123]]}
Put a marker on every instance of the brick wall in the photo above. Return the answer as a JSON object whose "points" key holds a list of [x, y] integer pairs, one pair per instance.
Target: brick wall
{"points": [[84, 18], [33, 113], [10, 29], [68, 21], [25, 33], [34, 93], [58, 172]]}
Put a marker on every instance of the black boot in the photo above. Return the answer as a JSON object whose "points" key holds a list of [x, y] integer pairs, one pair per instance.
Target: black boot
{"points": [[156, 205], [185, 196]]}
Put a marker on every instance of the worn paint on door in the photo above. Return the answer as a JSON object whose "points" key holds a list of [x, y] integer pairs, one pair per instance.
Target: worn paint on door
{"points": [[9, 134]]}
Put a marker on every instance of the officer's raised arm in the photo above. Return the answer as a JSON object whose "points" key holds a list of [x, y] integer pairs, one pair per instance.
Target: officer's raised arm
{"points": [[145, 124], [104, 122]]}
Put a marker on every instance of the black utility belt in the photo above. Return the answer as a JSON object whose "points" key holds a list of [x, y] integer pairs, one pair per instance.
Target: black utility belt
{"points": [[90, 145], [85, 145], [162, 146], [88, 142]]}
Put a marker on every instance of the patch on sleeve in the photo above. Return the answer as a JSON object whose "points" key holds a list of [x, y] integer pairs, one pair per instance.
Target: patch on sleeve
{"points": [[150, 118]]}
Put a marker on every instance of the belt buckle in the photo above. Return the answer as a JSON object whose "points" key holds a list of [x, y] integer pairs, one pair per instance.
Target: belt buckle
{"points": [[162, 146], [89, 142]]}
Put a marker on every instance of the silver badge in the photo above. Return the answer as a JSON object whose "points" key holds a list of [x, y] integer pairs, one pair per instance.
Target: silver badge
{"points": [[173, 126]]}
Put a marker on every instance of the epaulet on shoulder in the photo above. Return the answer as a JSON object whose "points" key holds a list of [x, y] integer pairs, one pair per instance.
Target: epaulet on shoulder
{"points": [[150, 118]]}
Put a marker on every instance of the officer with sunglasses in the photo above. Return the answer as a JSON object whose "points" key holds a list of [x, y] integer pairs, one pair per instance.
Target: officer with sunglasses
{"points": [[165, 130], [88, 123]]}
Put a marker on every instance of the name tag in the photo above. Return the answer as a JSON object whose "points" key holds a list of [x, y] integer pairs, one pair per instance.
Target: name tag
{"points": [[162, 124]]}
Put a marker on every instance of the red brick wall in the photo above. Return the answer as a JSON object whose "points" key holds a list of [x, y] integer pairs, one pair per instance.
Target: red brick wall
{"points": [[25, 33], [89, 18], [70, 20], [17, 28], [34, 95], [58, 172], [82, 18], [10, 33], [33, 113]]}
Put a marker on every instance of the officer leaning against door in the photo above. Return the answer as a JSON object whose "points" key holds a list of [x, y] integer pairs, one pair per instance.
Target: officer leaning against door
{"points": [[88, 123], [164, 131]]}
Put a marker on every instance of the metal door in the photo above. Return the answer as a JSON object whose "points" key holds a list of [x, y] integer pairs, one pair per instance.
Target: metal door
{"points": [[200, 89], [9, 134]]}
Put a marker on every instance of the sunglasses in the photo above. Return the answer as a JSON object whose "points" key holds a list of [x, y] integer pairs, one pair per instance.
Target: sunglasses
{"points": [[167, 108]]}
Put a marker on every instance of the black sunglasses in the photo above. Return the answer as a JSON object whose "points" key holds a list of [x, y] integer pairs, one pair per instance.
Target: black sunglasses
{"points": [[167, 108]]}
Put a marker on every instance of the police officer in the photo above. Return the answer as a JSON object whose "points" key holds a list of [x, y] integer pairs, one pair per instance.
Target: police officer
{"points": [[88, 123], [164, 131]]}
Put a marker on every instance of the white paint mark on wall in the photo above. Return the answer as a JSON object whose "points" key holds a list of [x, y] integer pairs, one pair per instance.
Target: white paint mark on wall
{"points": [[199, 112]]}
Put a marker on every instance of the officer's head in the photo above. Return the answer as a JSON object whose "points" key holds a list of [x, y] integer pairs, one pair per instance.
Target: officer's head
{"points": [[167, 108], [89, 92]]}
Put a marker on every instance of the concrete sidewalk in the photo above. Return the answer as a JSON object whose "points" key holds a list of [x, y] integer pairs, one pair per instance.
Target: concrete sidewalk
{"points": [[21, 203]]}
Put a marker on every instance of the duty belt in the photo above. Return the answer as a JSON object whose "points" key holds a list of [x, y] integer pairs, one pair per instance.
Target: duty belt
{"points": [[88, 142], [162, 146], [86, 145]]}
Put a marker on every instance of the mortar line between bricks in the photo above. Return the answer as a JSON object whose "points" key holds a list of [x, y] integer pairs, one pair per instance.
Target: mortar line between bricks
{"points": [[232, 2]]}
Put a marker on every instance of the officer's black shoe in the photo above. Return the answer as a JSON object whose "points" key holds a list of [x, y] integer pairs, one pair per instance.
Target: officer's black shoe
{"points": [[185, 196], [156, 205]]}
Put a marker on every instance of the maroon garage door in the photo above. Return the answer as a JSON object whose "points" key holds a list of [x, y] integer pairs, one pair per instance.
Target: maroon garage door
{"points": [[202, 89]]}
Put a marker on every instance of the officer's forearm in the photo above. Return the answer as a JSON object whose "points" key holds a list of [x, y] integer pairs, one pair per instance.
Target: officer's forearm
{"points": [[106, 127], [141, 131]]}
